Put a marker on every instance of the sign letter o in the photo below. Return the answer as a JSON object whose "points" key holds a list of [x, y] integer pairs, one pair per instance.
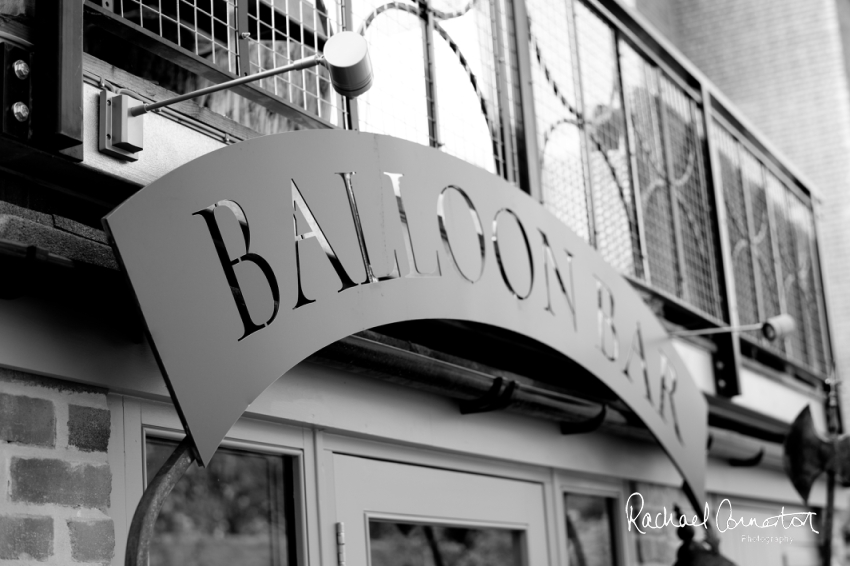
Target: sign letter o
{"points": [[513, 253], [466, 256]]}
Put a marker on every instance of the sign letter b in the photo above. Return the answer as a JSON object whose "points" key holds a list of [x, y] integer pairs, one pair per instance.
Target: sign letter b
{"points": [[228, 265]]}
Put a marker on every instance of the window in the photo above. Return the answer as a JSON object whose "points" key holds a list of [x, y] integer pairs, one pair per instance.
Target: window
{"points": [[238, 510], [590, 532], [392, 543]]}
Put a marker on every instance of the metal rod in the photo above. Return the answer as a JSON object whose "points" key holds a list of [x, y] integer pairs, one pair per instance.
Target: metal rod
{"points": [[141, 528], [304, 63], [834, 430], [705, 331]]}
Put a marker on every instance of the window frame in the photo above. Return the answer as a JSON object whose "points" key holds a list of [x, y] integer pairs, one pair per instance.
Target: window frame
{"points": [[616, 490], [143, 419]]}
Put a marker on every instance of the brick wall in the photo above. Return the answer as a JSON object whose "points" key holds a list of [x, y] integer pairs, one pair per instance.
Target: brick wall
{"points": [[55, 482]]}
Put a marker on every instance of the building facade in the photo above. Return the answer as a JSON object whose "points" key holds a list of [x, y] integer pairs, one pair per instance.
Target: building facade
{"points": [[442, 441]]}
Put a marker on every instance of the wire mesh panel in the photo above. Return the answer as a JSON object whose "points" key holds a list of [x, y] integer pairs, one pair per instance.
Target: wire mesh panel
{"points": [[801, 219], [772, 240], [615, 219], [465, 75], [245, 37], [737, 226], [556, 110], [762, 241], [436, 76], [686, 163], [397, 103], [785, 230], [207, 28], [282, 31], [640, 84]]}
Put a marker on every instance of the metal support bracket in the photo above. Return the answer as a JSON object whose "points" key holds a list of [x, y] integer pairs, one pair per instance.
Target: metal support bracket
{"points": [[589, 425], [747, 462], [15, 92], [141, 528], [119, 133], [494, 400]]}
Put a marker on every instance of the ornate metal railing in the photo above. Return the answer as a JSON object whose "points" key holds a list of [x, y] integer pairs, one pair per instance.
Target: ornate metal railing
{"points": [[625, 160], [621, 147], [563, 98]]}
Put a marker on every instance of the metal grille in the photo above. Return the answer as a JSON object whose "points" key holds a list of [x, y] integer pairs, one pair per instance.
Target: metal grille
{"points": [[615, 220], [772, 239], [686, 178], [437, 77], [207, 28], [395, 36], [793, 301], [556, 109], [245, 37], [467, 107], [737, 226], [762, 242], [282, 31], [802, 221], [640, 83]]}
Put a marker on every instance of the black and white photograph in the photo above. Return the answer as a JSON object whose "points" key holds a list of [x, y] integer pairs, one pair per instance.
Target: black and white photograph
{"points": [[424, 282]]}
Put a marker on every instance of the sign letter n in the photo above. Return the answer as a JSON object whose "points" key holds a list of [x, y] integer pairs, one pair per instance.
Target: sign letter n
{"points": [[228, 265]]}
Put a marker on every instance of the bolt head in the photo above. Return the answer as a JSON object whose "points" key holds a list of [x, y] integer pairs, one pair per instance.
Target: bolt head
{"points": [[20, 111], [22, 70]]}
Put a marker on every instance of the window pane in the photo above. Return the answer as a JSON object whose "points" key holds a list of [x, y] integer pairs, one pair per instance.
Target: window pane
{"points": [[409, 544], [557, 112], [444, 94], [237, 510], [590, 540], [467, 98], [396, 104], [613, 202]]}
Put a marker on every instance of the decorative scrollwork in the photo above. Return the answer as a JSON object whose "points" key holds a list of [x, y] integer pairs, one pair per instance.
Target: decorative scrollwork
{"points": [[420, 11], [582, 123]]}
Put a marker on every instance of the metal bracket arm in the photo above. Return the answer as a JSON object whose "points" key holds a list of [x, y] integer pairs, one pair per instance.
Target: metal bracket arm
{"points": [[298, 65], [121, 132], [494, 400], [590, 425]]}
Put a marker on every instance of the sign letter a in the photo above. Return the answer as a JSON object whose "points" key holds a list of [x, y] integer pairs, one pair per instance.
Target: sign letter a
{"points": [[298, 203], [228, 265]]}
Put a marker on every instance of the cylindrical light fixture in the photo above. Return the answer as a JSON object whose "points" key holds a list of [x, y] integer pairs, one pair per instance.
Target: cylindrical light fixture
{"points": [[347, 59], [778, 327]]}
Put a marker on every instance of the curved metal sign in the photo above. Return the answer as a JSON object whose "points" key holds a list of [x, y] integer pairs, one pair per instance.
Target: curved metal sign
{"points": [[249, 259]]}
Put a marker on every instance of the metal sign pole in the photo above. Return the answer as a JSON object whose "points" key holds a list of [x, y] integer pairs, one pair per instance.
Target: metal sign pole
{"points": [[144, 519]]}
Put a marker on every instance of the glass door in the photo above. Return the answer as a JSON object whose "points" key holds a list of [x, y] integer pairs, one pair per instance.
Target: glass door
{"points": [[403, 515]]}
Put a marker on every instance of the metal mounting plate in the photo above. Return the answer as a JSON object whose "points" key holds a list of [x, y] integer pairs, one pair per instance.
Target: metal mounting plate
{"points": [[115, 125]]}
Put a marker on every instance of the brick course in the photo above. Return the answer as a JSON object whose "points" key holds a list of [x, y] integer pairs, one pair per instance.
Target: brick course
{"points": [[40, 481], [26, 538], [27, 420], [92, 541], [55, 475], [88, 428]]}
